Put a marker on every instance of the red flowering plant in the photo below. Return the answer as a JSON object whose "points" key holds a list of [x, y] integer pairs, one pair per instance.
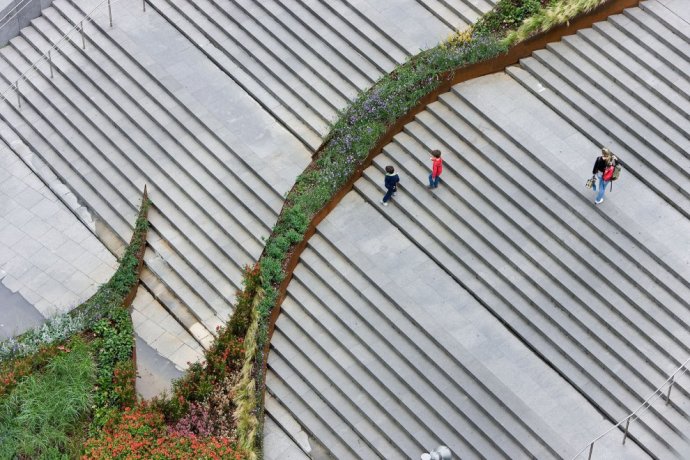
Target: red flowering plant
{"points": [[142, 433]]}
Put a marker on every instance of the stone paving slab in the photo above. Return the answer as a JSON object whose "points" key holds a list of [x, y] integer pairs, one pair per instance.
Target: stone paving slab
{"points": [[47, 255], [159, 330]]}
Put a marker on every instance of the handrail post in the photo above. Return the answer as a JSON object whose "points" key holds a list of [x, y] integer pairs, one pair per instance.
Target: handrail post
{"points": [[19, 94], [50, 61], [144, 3], [627, 424], [591, 448], [83, 40], [668, 395], [110, 14]]}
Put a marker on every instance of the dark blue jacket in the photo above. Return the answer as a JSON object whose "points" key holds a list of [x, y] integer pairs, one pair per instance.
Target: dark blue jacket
{"points": [[391, 181]]}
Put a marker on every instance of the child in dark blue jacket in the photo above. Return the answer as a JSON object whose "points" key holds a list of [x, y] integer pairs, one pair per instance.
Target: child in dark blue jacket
{"points": [[391, 183]]}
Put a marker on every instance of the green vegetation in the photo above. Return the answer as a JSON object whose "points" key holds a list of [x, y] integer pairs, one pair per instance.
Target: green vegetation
{"points": [[69, 377], [42, 415]]}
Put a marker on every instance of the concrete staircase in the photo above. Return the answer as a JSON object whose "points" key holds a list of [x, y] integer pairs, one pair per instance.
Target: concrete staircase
{"points": [[107, 126], [373, 365], [501, 315], [138, 106], [302, 61]]}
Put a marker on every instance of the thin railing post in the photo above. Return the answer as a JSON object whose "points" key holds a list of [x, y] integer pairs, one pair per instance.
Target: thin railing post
{"points": [[110, 14], [668, 395], [591, 448], [627, 424], [19, 95], [144, 3], [50, 61], [83, 40]]}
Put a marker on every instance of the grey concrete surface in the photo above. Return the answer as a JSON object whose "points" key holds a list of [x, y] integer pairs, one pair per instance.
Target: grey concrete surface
{"points": [[46, 254], [154, 373], [17, 315], [16, 14]]}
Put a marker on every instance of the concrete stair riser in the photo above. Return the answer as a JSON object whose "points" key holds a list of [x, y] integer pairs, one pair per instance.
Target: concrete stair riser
{"points": [[193, 155], [668, 150], [637, 165], [378, 42], [322, 71], [597, 314], [447, 372], [348, 82], [340, 44], [283, 110], [550, 337], [446, 14], [676, 44], [455, 365], [646, 113], [547, 227], [638, 54], [632, 143], [550, 292], [314, 93], [659, 100]]}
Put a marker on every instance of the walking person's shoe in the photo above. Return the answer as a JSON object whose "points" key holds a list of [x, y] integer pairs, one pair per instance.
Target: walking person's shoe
{"points": [[598, 201], [384, 203]]}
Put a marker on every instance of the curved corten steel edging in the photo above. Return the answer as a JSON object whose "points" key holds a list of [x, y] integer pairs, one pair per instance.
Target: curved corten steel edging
{"points": [[448, 79]]}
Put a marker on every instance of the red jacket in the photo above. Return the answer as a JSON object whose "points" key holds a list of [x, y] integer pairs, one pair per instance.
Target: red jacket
{"points": [[436, 166]]}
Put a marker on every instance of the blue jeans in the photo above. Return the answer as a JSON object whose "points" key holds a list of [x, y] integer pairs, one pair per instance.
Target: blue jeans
{"points": [[433, 182], [602, 187], [388, 195]]}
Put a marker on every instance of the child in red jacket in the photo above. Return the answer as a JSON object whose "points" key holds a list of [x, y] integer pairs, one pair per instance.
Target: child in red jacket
{"points": [[436, 168]]}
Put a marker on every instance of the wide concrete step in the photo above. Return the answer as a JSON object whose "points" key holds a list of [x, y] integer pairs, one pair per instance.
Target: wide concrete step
{"points": [[478, 413], [317, 416], [572, 230], [638, 159], [668, 126], [302, 61], [285, 106]]}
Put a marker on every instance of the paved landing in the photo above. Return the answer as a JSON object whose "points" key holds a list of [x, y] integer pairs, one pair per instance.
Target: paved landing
{"points": [[47, 255]]}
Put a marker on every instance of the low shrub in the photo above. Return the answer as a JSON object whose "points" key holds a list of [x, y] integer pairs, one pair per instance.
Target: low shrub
{"points": [[39, 418], [141, 433]]}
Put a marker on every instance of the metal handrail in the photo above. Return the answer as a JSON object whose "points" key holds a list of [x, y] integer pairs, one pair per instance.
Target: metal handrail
{"points": [[642, 409], [46, 56]]}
